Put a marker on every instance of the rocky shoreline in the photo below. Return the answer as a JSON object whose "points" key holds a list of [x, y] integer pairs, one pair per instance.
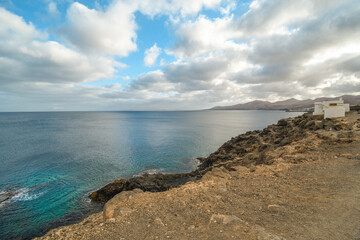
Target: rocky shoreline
{"points": [[297, 179], [249, 149]]}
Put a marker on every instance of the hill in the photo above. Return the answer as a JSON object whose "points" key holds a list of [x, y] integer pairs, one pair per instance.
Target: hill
{"points": [[291, 104]]}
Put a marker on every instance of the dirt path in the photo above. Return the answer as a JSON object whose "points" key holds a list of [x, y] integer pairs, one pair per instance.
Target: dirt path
{"points": [[316, 198]]}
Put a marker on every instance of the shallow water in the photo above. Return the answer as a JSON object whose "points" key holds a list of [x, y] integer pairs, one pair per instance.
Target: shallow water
{"points": [[49, 162]]}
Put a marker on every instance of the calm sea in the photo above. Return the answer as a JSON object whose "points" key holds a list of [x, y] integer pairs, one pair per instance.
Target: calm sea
{"points": [[50, 162]]}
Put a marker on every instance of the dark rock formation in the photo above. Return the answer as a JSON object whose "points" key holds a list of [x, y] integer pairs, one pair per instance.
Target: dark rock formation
{"points": [[5, 196], [148, 182]]}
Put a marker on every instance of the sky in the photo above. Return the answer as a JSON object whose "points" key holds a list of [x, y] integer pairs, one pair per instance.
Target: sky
{"points": [[113, 55]]}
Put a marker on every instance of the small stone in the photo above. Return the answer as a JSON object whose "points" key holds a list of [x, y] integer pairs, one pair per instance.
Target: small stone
{"points": [[224, 219], [191, 227], [222, 187], [262, 234], [158, 222]]}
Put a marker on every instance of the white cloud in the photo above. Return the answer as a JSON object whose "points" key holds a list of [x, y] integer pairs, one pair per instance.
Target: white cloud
{"points": [[204, 35], [265, 49], [52, 9], [176, 8], [13, 28], [268, 17], [113, 30], [106, 32], [278, 49], [26, 56], [151, 55], [126, 78]]}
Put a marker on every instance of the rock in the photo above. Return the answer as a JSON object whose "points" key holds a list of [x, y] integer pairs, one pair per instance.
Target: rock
{"points": [[262, 234], [220, 172], [318, 125], [285, 141], [150, 183], [282, 123], [309, 125], [275, 208], [262, 147], [224, 219], [5, 196], [201, 159], [222, 186], [106, 193], [114, 209], [191, 227], [158, 221]]}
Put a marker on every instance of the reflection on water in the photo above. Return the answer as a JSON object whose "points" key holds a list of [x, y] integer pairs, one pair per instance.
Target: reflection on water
{"points": [[51, 161]]}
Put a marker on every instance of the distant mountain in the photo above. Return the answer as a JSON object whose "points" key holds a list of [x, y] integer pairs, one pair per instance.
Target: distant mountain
{"points": [[291, 104]]}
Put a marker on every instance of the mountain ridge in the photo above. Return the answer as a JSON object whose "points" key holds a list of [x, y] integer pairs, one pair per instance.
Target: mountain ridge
{"points": [[291, 104]]}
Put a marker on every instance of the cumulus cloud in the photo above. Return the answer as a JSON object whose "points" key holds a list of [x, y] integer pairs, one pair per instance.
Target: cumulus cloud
{"points": [[27, 56], [113, 30], [279, 46], [204, 35], [14, 28], [277, 49], [151, 55], [106, 32]]}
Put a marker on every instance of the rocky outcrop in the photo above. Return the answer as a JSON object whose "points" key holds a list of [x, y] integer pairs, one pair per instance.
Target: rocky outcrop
{"points": [[148, 182], [249, 149]]}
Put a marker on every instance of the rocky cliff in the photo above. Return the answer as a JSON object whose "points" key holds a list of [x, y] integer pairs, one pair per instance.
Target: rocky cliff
{"points": [[297, 179]]}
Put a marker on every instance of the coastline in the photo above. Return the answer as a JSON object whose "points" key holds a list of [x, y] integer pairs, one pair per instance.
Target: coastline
{"points": [[255, 158]]}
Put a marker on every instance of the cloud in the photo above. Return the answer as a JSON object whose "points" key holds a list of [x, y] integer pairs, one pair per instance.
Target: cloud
{"points": [[27, 56], [113, 30], [13, 28], [151, 55], [302, 43], [176, 8], [52, 10], [203, 35], [106, 32], [277, 49]]}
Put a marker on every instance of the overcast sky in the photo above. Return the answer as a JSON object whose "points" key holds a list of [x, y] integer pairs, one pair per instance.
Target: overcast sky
{"points": [[174, 54]]}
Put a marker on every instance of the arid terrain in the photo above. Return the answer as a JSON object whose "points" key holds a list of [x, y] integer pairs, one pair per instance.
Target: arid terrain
{"points": [[298, 179]]}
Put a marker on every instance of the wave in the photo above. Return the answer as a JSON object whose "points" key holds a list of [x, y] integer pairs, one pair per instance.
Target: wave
{"points": [[151, 171], [22, 194], [26, 194]]}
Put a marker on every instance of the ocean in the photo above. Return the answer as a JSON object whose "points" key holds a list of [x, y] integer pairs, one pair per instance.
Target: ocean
{"points": [[51, 161]]}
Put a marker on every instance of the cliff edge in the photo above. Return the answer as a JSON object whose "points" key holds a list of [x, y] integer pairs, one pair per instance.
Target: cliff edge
{"points": [[297, 179]]}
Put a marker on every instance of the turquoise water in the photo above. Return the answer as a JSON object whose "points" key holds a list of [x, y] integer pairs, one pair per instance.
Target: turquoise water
{"points": [[49, 162]]}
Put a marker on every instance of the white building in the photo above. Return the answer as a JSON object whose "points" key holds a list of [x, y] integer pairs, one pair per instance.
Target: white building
{"points": [[331, 109]]}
